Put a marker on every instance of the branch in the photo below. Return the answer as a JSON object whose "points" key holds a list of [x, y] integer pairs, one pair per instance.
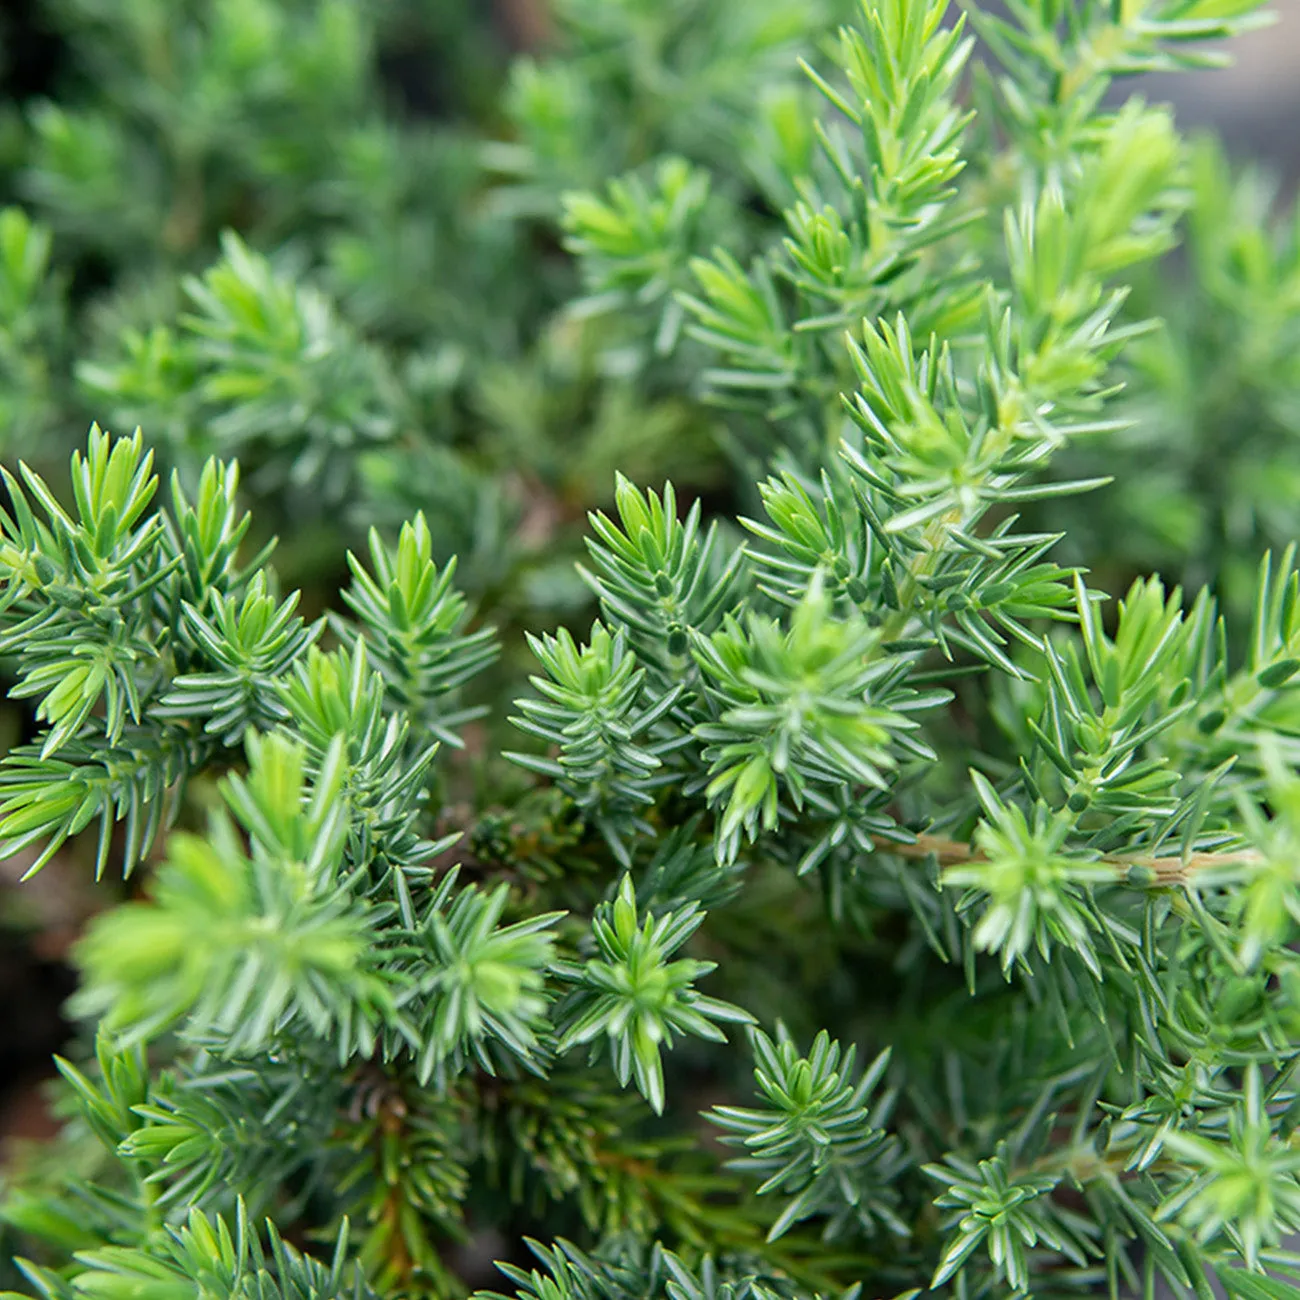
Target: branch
{"points": [[1168, 870]]}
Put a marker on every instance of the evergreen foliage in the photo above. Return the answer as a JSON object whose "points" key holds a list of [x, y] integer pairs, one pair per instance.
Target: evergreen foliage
{"points": [[836, 750]]}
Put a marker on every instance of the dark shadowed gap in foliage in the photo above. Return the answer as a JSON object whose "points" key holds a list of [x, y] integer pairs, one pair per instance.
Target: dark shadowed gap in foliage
{"points": [[92, 274], [32, 992], [715, 503], [415, 75], [475, 1261], [32, 58], [415, 66]]}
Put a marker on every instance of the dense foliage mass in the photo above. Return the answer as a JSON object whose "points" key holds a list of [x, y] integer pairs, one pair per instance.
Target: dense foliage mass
{"points": [[797, 878]]}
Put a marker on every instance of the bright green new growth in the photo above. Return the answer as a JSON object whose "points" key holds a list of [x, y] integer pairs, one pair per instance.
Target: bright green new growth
{"points": [[861, 758], [638, 999], [818, 1140]]}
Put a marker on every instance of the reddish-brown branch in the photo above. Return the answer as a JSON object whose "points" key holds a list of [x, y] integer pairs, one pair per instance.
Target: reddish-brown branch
{"points": [[1168, 871]]}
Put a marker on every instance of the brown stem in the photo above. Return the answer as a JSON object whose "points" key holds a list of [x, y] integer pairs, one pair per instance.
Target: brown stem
{"points": [[1168, 871], [527, 23]]}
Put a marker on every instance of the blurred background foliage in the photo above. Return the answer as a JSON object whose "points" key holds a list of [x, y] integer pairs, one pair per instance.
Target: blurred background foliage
{"points": [[327, 237]]}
